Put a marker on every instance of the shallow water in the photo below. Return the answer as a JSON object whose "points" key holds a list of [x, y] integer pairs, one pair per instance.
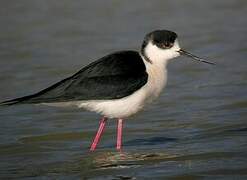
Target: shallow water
{"points": [[196, 130]]}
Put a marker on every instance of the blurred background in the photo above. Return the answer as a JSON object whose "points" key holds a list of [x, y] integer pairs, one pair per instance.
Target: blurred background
{"points": [[197, 128]]}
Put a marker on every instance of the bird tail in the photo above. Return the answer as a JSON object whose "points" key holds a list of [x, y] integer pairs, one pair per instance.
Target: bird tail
{"points": [[21, 100], [53, 93]]}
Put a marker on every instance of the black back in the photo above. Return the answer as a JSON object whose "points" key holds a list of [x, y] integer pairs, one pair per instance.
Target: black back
{"points": [[112, 77]]}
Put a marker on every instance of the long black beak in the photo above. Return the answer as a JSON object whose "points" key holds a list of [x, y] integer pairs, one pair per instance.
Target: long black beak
{"points": [[183, 52]]}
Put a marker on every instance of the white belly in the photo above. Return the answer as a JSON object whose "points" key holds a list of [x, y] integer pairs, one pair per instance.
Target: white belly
{"points": [[127, 106]]}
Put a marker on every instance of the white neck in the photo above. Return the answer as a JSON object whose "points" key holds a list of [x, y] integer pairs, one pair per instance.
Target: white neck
{"points": [[156, 69], [157, 78]]}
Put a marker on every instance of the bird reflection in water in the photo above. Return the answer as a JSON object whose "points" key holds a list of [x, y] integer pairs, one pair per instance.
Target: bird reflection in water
{"points": [[119, 160]]}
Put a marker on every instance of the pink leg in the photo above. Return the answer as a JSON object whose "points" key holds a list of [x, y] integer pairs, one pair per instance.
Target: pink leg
{"points": [[119, 134], [99, 133]]}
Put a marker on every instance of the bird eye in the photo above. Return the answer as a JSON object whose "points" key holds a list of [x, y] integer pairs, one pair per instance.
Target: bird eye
{"points": [[167, 45]]}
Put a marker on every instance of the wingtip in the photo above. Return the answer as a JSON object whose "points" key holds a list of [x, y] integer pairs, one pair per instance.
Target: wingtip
{"points": [[12, 101], [8, 103]]}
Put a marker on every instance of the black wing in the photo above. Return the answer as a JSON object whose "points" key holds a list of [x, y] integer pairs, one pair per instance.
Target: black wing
{"points": [[112, 77]]}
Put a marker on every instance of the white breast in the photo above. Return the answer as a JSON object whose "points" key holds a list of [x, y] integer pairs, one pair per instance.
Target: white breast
{"points": [[127, 106]]}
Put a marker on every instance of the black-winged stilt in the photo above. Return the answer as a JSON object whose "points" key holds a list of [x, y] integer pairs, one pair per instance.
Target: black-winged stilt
{"points": [[117, 85]]}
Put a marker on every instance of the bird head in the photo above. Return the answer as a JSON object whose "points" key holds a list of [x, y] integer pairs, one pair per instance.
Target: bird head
{"points": [[162, 45]]}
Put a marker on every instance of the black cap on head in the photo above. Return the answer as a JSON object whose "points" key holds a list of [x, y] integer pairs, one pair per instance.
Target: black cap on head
{"points": [[162, 38]]}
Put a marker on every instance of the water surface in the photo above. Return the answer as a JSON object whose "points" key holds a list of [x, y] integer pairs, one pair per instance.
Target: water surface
{"points": [[196, 130]]}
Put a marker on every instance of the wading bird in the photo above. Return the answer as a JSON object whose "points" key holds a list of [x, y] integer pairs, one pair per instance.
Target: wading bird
{"points": [[117, 85]]}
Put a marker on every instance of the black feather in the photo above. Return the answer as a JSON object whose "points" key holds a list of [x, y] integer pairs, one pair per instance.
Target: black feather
{"points": [[112, 77]]}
